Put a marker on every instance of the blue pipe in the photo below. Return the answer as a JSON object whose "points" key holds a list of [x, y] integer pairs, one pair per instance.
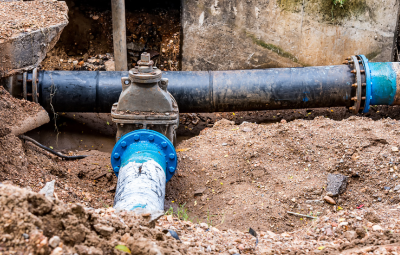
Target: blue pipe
{"points": [[143, 160]]}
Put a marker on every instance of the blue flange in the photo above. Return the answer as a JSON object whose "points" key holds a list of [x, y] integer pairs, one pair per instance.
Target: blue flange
{"points": [[142, 145], [368, 95]]}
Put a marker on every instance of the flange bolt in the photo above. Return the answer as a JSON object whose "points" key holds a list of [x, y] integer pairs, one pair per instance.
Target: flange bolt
{"points": [[116, 155], [171, 156]]}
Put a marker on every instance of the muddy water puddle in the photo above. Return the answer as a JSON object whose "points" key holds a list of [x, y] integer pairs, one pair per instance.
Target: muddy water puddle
{"points": [[80, 131]]}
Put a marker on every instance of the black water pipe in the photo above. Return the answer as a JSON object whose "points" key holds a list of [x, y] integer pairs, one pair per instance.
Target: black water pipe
{"points": [[244, 90]]}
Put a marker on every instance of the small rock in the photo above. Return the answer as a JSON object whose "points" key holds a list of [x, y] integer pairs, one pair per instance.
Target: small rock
{"points": [[386, 188], [397, 188], [203, 225], [95, 17], [135, 46], [361, 232], [224, 144], [246, 129], [379, 199], [48, 189], [315, 201], [103, 229], [344, 223], [170, 219], [233, 251], [75, 62], [232, 202], [395, 149], [377, 228], [54, 241], [109, 65], [57, 251], [25, 236], [337, 184], [241, 247], [350, 235], [358, 218], [329, 200], [200, 191], [329, 232]]}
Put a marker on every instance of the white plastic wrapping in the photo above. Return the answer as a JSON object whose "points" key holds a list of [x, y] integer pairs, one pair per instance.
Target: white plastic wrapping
{"points": [[140, 185]]}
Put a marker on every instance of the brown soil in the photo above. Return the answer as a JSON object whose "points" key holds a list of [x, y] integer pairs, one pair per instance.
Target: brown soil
{"points": [[29, 221], [87, 181], [19, 17], [252, 174], [13, 111], [89, 35]]}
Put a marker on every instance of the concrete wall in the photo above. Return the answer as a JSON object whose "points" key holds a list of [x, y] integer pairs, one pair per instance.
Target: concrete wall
{"points": [[241, 34]]}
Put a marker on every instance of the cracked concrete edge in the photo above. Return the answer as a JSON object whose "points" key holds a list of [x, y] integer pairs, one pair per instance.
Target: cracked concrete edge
{"points": [[26, 51]]}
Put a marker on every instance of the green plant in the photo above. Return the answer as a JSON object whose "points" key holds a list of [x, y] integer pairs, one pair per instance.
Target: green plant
{"points": [[170, 211], [209, 219], [339, 2], [182, 213]]}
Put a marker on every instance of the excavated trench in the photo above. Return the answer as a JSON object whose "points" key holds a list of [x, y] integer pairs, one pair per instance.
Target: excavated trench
{"points": [[229, 176]]}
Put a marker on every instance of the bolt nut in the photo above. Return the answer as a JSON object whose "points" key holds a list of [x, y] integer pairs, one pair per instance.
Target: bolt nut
{"points": [[145, 57], [164, 144], [116, 155], [151, 137], [123, 144], [171, 156], [171, 169], [116, 169], [136, 137]]}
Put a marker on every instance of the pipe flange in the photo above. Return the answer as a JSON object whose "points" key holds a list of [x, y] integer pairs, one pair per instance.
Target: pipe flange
{"points": [[359, 90], [140, 139]]}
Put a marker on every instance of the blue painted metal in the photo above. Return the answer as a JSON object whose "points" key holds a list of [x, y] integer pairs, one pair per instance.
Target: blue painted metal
{"points": [[143, 145], [368, 82], [383, 80]]}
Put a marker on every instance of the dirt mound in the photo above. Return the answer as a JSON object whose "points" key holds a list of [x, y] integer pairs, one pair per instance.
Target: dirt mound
{"points": [[19, 17], [249, 175], [89, 181], [33, 223]]}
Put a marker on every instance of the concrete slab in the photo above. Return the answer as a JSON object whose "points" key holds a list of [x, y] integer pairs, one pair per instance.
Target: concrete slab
{"points": [[233, 34]]}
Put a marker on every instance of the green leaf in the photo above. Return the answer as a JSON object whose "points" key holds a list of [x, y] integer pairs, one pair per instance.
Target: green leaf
{"points": [[51, 147], [108, 123], [123, 248]]}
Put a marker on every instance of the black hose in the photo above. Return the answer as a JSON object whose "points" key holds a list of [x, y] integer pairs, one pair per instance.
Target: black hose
{"points": [[50, 150]]}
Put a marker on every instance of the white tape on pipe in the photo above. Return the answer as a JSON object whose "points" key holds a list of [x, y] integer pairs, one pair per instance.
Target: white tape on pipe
{"points": [[140, 185]]}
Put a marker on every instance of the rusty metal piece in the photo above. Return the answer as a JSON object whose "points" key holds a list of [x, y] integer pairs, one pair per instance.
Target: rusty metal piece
{"points": [[145, 102], [357, 70], [354, 85], [353, 71], [24, 89], [354, 99], [35, 95]]}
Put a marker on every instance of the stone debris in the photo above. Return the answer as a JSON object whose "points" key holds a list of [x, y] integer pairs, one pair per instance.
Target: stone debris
{"points": [[48, 189], [337, 184], [329, 200]]}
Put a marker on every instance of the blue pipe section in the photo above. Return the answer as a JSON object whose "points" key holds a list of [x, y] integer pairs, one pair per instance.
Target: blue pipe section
{"points": [[368, 95], [144, 145], [383, 83]]}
